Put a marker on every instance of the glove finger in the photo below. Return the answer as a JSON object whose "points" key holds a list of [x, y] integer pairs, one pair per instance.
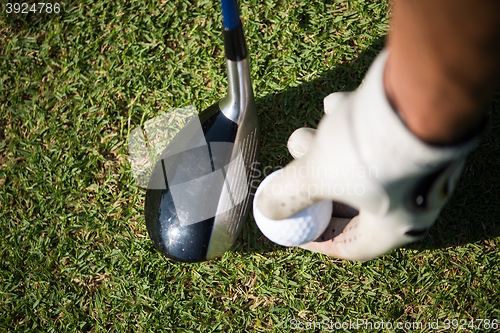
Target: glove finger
{"points": [[333, 242], [333, 101], [355, 239], [299, 143], [290, 192]]}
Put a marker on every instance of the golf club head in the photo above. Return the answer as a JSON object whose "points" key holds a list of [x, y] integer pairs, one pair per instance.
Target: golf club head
{"points": [[198, 196]]}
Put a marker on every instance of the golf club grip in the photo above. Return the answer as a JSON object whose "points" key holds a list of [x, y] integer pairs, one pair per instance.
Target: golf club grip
{"points": [[234, 40], [230, 14]]}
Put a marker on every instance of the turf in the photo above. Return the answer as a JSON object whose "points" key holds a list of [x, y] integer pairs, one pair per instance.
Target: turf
{"points": [[75, 254]]}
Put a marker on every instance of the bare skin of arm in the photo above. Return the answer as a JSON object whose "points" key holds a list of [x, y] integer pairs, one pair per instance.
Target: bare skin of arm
{"points": [[444, 65]]}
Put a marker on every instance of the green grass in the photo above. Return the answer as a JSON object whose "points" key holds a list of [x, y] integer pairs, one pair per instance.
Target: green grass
{"points": [[75, 255]]}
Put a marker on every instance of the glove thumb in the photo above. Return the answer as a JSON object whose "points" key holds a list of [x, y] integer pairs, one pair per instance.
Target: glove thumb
{"points": [[292, 191]]}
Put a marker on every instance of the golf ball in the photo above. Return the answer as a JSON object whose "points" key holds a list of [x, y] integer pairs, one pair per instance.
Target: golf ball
{"points": [[299, 229]]}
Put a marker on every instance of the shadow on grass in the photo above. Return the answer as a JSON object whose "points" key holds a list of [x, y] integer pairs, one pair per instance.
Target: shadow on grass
{"points": [[472, 214]]}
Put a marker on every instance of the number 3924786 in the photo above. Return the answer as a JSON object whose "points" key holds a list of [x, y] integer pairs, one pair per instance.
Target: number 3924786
{"points": [[38, 8]]}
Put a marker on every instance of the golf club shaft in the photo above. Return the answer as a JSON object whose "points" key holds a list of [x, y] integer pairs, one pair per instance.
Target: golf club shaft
{"points": [[234, 40], [240, 96], [230, 14], [200, 210]]}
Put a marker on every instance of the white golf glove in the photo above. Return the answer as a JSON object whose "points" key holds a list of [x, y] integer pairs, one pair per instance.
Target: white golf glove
{"points": [[362, 155]]}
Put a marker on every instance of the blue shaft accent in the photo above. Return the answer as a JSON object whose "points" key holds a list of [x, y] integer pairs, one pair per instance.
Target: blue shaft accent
{"points": [[230, 14]]}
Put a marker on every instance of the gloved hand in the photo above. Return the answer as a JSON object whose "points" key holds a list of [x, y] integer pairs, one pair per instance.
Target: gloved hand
{"points": [[363, 156]]}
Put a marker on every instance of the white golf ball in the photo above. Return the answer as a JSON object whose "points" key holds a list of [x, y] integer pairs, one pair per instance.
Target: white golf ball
{"points": [[299, 229]]}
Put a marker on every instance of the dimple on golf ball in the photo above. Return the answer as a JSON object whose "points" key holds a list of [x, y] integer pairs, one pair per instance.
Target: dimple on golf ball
{"points": [[299, 229]]}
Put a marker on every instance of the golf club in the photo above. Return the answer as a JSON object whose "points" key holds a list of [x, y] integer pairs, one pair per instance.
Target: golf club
{"points": [[199, 192]]}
